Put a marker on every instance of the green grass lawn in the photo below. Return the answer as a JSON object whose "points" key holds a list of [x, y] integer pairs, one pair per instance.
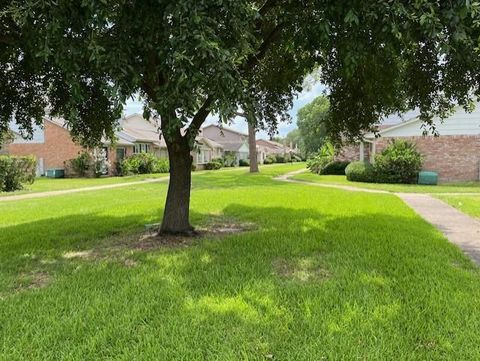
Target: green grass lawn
{"points": [[467, 204], [321, 274], [44, 184], [465, 187]]}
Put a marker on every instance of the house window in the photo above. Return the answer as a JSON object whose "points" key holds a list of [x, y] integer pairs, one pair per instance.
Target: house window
{"points": [[141, 148], [203, 156]]}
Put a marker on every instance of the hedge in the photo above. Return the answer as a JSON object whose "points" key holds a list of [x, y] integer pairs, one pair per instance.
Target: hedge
{"points": [[16, 171]]}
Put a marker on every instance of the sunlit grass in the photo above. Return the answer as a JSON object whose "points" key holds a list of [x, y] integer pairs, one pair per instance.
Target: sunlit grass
{"points": [[325, 274], [468, 204], [461, 187]]}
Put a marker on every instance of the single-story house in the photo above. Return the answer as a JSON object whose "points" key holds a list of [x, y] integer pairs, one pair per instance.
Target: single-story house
{"points": [[233, 142], [53, 146], [454, 154], [206, 149], [269, 147]]}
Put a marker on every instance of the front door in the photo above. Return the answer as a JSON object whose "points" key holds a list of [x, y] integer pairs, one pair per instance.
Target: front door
{"points": [[120, 154]]}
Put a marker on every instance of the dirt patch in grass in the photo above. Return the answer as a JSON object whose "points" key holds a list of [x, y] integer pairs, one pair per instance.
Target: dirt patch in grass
{"points": [[89, 254], [216, 227], [301, 269], [32, 280]]}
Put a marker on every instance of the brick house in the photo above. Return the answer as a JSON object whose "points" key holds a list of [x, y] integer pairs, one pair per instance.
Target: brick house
{"points": [[269, 147], [454, 154], [53, 146]]}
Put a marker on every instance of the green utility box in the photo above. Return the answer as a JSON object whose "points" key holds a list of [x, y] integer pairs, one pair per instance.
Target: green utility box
{"points": [[430, 178], [55, 173]]}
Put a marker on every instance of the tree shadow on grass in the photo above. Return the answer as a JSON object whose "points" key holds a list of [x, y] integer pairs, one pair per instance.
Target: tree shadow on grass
{"points": [[228, 297]]}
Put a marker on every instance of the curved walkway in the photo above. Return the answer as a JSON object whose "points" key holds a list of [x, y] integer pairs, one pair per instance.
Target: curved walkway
{"points": [[78, 190], [459, 228]]}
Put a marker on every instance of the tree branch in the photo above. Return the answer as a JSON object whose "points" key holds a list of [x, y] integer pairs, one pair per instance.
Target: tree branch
{"points": [[204, 110], [269, 4], [262, 50], [7, 39], [240, 114], [199, 118]]}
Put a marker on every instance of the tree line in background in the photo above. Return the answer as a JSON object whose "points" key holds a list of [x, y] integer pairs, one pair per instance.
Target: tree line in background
{"points": [[311, 133]]}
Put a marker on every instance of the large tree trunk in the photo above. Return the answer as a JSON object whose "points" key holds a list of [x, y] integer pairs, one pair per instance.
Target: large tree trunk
{"points": [[252, 143], [176, 218]]}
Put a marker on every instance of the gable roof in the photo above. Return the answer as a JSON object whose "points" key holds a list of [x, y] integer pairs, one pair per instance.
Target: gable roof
{"points": [[135, 128], [233, 146], [459, 122], [223, 128], [384, 128], [210, 143]]}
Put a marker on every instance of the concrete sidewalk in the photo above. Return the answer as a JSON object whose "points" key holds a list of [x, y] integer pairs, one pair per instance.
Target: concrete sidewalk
{"points": [[460, 229], [78, 190]]}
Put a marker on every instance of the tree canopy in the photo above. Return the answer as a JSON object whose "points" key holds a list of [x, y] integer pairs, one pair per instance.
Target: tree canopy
{"points": [[83, 59]]}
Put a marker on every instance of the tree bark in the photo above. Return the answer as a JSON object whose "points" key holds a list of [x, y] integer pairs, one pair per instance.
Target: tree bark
{"points": [[176, 217], [252, 143]]}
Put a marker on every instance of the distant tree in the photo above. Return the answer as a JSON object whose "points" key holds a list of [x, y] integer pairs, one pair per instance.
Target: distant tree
{"points": [[295, 138], [311, 122], [6, 137]]}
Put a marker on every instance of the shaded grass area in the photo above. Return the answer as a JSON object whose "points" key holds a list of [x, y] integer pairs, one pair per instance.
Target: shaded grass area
{"points": [[464, 187], [467, 204], [324, 274]]}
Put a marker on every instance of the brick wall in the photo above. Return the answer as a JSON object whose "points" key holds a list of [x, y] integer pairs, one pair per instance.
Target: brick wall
{"points": [[453, 157], [351, 153], [57, 148]]}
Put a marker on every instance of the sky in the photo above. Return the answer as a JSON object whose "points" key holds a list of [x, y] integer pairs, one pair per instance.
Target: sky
{"points": [[303, 98]]}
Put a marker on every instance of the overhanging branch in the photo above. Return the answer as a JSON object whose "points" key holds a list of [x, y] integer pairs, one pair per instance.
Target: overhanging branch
{"points": [[199, 118], [262, 50]]}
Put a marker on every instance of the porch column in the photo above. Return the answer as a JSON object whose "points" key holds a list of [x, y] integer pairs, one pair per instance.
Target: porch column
{"points": [[372, 153], [362, 152]]}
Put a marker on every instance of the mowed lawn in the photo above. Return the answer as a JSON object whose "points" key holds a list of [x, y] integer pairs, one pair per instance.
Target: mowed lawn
{"points": [[469, 204], [44, 184], [462, 187], [321, 274]]}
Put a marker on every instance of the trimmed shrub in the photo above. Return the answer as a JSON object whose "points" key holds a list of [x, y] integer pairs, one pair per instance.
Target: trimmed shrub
{"points": [[228, 159], [400, 162], [214, 164], [360, 172], [243, 162], [82, 164], [335, 168], [270, 159], [144, 163], [280, 158], [16, 171], [161, 165]]}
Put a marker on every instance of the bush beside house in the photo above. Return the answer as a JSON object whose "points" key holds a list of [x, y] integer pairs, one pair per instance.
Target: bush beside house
{"points": [[400, 162], [360, 172], [214, 164], [87, 164], [16, 171], [144, 163]]}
